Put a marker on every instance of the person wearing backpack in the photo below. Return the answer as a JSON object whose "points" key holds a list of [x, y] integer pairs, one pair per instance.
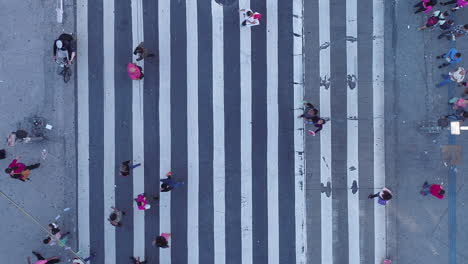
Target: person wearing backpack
{"points": [[437, 18]]}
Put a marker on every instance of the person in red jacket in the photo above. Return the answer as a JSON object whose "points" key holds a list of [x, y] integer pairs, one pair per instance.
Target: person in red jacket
{"points": [[435, 189]]}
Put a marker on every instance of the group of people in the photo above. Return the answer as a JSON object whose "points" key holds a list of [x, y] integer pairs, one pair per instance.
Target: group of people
{"points": [[311, 117]]}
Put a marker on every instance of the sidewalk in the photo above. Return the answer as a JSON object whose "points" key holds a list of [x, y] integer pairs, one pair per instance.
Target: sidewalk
{"points": [[30, 86], [422, 223]]}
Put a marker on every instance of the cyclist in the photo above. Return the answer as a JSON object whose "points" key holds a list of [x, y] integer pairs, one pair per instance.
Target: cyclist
{"points": [[64, 48]]}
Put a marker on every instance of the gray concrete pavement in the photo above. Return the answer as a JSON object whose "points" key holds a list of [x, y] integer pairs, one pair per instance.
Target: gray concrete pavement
{"points": [[30, 86]]}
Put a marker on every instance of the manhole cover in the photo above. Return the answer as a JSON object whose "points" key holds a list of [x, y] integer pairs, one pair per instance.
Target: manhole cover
{"points": [[225, 2]]}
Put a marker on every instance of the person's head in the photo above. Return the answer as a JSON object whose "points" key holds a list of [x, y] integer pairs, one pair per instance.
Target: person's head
{"points": [[46, 241], [442, 192], [113, 216], [249, 13], [457, 55], [8, 170], [161, 241], [465, 27], [386, 195]]}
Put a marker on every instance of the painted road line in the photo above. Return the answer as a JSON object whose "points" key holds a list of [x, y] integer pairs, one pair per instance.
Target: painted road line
{"points": [[138, 135], [83, 127], [272, 132], [246, 139], [219, 224], [164, 118], [380, 238], [192, 131], [325, 134], [109, 127], [299, 162], [352, 136]]}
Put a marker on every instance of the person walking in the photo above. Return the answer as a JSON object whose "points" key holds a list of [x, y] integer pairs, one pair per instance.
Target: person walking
{"points": [[310, 112], [434, 189], [84, 261], [42, 260], [57, 238], [142, 52], [425, 5], [250, 18], [457, 76], [126, 166], [19, 170], [142, 202], [451, 57], [169, 183], [137, 260], [456, 32], [459, 4], [115, 217], [318, 123], [162, 241], [384, 196], [438, 18], [134, 71]]}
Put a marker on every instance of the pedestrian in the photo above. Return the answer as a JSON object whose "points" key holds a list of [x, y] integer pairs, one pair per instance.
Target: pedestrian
{"points": [[134, 71], [115, 217], [310, 112], [438, 18], [434, 189], [447, 25], [162, 241], [318, 123], [459, 4], [451, 57], [53, 227], [459, 104], [169, 183], [42, 260], [425, 5], [142, 202], [457, 76], [456, 32], [57, 238], [16, 167], [142, 52], [137, 260], [250, 18], [384, 196], [126, 166], [77, 260]]}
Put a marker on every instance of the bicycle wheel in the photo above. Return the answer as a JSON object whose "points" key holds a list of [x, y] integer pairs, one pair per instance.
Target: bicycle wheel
{"points": [[66, 74]]}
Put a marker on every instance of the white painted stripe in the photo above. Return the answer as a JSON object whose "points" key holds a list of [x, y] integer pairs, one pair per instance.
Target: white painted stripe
{"points": [[325, 134], [218, 136], [353, 135], [299, 162], [138, 174], [192, 132], [246, 139], [83, 127], [164, 119], [379, 125], [109, 128], [272, 132]]}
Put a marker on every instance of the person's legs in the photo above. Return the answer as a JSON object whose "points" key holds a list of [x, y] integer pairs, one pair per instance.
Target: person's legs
{"points": [[53, 261], [419, 4], [33, 166], [425, 189], [446, 80], [135, 165], [445, 34], [419, 10], [445, 64], [38, 256], [449, 2]]}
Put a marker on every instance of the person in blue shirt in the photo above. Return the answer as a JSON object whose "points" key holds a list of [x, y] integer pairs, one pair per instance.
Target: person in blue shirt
{"points": [[452, 56], [169, 183]]}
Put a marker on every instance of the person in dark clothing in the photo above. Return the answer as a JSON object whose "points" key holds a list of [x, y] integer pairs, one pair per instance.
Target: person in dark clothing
{"points": [[169, 183], [65, 42], [318, 123], [137, 260], [309, 112], [142, 52], [384, 196], [50, 260], [126, 166], [162, 241]]}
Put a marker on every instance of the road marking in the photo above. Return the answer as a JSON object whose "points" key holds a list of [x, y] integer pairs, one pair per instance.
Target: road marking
{"points": [[299, 163], [164, 118], [246, 139], [83, 127], [192, 132], [325, 134], [273, 130], [138, 135], [218, 137], [109, 127], [380, 239], [353, 134]]}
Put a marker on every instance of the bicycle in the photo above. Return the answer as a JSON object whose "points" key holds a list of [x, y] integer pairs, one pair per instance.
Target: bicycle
{"points": [[66, 70]]}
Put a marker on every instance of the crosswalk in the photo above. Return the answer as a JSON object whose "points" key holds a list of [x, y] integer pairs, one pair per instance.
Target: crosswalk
{"points": [[218, 107]]}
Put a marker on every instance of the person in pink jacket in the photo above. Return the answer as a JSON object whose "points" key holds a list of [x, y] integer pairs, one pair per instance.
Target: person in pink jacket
{"points": [[460, 4], [142, 202], [425, 5], [134, 71]]}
